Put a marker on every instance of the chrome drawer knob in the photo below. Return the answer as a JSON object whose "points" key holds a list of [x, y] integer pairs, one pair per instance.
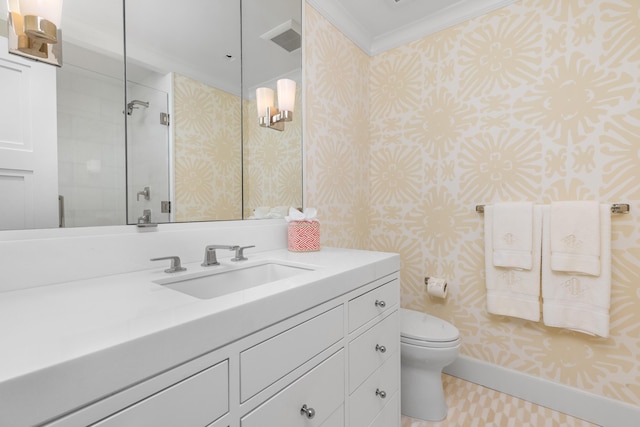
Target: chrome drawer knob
{"points": [[381, 393], [307, 412], [381, 348], [381, 304]]}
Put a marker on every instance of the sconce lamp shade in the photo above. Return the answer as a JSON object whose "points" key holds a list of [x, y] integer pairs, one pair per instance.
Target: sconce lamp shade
{"points": [[51, 10], [286, 94], [264, 100]]}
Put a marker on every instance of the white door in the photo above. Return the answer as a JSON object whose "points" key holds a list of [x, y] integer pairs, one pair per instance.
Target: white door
{"points": [[28, 149]]}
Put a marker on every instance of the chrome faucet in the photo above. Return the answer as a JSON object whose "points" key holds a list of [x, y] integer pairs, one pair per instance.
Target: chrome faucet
{"points": [[175, 264], [210, 257], [240, 253]]}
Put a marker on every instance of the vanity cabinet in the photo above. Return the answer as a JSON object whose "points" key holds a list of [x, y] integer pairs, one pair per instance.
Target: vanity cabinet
{"points": [[335, 364], [374, 357], [309, 401], [196, 401]]}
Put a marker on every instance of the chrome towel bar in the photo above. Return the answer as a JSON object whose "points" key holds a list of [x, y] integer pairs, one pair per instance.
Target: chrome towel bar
{"points": [[616, 208]]}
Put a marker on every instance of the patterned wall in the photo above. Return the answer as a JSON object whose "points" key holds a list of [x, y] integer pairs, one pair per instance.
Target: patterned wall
{"points": [[538, 101], [208, 158], [336, 139], [272, 159]]}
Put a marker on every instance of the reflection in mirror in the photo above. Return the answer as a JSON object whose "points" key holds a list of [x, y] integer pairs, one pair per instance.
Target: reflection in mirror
{"points": [[184, 63], [183, 70], [67, 137], [272, 50]]}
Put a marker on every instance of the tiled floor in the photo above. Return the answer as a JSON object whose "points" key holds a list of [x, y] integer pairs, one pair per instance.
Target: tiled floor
{"points": [[471, 405]]}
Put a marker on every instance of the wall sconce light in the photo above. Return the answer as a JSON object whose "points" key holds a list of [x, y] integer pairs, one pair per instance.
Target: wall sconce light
{"points": [[34, 30], [270, 116]]}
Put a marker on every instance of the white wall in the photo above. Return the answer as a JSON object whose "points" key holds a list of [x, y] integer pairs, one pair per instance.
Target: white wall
{"points": [[91, 147]]}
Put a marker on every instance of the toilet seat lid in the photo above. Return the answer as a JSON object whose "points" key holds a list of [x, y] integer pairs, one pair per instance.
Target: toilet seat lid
{"points": [[424, 327]]}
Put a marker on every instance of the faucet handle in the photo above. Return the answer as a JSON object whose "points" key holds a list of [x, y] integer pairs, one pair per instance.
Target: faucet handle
{"points": [[210, 257], [175, 264], [240, 253]]}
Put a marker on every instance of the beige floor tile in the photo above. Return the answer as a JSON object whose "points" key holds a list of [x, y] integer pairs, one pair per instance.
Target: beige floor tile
{"points": [[471, 405]]}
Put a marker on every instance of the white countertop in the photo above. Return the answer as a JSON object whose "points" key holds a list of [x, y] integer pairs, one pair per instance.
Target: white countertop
{"points": [[68, 344]]}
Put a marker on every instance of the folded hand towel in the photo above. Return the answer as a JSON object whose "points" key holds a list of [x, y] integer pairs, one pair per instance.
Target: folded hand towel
{"points": [[575, 237], [578, 301], [513, 234], [513, 292]]}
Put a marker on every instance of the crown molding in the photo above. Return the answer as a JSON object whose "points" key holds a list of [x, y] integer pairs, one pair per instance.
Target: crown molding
{"points": [[456, 13]]}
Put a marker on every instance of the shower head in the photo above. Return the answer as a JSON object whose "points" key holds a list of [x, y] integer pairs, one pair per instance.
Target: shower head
{"points": [[132, 105]]}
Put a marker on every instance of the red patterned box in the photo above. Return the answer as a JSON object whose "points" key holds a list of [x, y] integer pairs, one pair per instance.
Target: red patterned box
{"points": [[304, 236]]}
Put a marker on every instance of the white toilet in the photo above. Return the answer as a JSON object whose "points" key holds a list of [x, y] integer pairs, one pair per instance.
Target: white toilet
{"points": [[427, 345]]}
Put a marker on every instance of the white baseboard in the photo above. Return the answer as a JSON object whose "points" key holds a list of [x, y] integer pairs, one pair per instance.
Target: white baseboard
{"points": [[595, 409]]}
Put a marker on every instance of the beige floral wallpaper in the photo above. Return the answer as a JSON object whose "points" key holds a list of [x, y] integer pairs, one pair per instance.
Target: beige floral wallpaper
{"points": [[272, 159], [537, 101], [207, 155]]}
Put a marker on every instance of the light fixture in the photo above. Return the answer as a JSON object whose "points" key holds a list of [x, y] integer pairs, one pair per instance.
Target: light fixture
{"points": [[270, 116], [34, 29]]}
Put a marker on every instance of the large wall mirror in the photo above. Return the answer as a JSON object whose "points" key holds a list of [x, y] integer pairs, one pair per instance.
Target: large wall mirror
{"points": [[165, 127]]}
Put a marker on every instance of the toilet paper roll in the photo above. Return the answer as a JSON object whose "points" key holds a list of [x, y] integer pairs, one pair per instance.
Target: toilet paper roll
{"points": [[437, 287]]}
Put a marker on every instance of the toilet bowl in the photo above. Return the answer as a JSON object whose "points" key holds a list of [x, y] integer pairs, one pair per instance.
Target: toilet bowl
{"points": [[427, 345]]}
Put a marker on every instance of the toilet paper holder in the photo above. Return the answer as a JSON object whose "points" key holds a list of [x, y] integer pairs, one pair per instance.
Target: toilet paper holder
{"points": [[436, 287]]}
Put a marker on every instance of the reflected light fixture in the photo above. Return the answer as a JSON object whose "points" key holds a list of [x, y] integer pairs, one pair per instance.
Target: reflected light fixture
{"points": [[270, 116], [34, 29]]}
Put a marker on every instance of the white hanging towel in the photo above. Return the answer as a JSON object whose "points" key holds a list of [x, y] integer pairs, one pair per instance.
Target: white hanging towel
{"points": [[513, 234], [577, 301], [512, 291], [575, 237]]}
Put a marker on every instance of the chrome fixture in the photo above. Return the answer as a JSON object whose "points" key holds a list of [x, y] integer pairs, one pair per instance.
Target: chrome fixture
{"points": [[132, 106], [616, 208], [381, 393], [210, 257], [307, 411], [145, 218], [240, 254], [145, 192], [33, 30], [268, 115], [175, 263]]}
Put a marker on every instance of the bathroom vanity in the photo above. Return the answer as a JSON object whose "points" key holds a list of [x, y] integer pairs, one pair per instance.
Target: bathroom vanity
{"points": [[318, 348]]}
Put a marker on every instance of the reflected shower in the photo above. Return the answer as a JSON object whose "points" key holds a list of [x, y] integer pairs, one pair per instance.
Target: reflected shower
{"points": [[132, 105]]}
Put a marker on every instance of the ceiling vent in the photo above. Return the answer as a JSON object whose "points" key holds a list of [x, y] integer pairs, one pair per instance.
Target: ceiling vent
{"points": [[286, 35]]}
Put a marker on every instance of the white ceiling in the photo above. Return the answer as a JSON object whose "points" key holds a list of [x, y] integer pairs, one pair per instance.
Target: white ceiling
{"points": [[379, 25], [194, 37]]}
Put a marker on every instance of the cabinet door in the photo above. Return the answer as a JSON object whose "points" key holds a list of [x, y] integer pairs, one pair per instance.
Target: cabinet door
{"points": [[28, 143], [320, 391], [197, 401]]}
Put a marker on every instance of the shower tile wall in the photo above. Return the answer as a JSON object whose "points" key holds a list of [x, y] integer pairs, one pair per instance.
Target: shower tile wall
{"points": [[91, 157]]}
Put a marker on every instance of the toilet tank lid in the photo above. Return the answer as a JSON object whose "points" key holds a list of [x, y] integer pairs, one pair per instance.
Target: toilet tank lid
{"points": [[424, 327]]}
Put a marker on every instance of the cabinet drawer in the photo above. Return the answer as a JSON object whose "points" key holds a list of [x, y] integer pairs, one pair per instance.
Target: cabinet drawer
{"points": [[336, 419], [196, 401], [366, 353], [390, 414], [365, 403], [322, 389], [265, 363], [373, 303]]}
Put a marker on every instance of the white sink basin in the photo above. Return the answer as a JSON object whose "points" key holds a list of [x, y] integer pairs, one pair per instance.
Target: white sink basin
{"points": [[211, 284]]}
